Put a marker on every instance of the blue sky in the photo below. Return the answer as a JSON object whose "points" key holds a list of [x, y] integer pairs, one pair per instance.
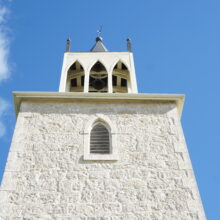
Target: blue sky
{"points": [[176, 47]]}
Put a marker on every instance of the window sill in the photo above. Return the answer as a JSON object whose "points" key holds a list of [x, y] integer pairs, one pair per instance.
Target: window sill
{"points": [[100, 157]]}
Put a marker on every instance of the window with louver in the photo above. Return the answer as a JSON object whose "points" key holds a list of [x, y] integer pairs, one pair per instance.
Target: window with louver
{"points": [[99, 140]]}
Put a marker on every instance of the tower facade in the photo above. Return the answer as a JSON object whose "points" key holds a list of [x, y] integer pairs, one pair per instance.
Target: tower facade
{"points": [[98, 150]]}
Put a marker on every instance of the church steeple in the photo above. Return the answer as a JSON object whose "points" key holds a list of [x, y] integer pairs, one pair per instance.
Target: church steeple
{"points": [[102, 155], [98, 70]]}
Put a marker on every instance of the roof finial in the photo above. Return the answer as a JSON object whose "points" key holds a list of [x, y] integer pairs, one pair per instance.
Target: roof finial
{"points": [[129, 44], [99, 31], [99, 38], [68, 44]]}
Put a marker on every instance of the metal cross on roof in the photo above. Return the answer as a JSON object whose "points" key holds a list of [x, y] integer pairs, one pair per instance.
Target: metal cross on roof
{"points": [[99, 31]]}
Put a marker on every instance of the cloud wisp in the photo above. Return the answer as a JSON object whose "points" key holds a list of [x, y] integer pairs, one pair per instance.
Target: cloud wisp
{"points": [[3, 108], [4, 65], [4, 45]]}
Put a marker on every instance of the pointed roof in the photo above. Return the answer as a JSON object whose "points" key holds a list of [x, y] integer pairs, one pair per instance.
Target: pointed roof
{"points": [[99, 46]]}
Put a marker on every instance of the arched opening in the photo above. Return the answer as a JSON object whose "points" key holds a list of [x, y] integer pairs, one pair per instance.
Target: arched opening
{"points": [[99, 139], [75, 78], [120, 78], [98, 78]]}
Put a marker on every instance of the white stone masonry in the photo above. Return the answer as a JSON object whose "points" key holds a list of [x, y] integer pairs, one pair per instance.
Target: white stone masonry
{"points": [[46, 177]]}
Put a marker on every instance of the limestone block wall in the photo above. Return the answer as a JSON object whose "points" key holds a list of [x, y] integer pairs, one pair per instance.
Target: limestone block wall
{"points": [[46, 177]]}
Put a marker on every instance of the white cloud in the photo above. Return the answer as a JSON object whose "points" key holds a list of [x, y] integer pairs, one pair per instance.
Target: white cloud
{"points": [[3, 108], [4, 65], [4, 45]]}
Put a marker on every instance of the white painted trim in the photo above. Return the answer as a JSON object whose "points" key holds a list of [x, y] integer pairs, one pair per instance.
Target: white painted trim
{"points": [[133, 80], [62, 77], [110, 86], [86, 81]]}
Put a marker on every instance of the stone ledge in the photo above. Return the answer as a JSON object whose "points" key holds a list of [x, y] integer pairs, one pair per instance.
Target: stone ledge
{"points": [[178, 99]]}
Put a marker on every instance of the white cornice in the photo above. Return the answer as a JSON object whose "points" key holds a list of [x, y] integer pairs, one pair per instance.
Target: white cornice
{"points": [[68, 96], [90, 52]]}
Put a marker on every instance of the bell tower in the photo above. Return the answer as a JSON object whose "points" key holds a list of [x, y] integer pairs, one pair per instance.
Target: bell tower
{"points": [[98, 70], [98, 149]]}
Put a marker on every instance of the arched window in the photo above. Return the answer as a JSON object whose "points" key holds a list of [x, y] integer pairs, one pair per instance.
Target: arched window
{"points": [[99, 139], [75, 78], [98, 78], [120, 78]]}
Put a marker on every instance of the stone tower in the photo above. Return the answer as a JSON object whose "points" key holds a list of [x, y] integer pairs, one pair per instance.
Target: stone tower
{"points": [[98, 150]]}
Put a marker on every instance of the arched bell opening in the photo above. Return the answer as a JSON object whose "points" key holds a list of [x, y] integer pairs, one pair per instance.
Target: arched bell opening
{"points": [[75, 78], [120, 78], [98, 78]]}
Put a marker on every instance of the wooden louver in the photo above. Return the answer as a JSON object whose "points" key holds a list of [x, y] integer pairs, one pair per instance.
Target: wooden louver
{"points": [[99, 140]]}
